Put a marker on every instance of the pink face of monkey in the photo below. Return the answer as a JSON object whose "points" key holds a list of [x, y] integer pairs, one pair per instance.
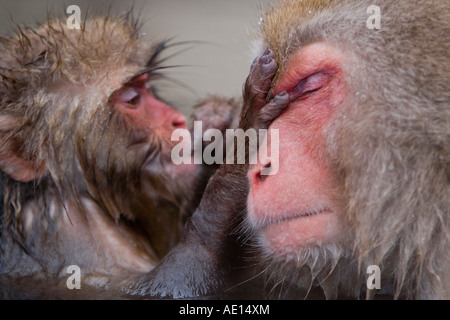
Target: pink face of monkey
{"points": [[305, 211], [136, 102]]}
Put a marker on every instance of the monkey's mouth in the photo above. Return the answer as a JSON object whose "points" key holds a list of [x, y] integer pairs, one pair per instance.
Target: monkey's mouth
{"points": [[300, 215]]}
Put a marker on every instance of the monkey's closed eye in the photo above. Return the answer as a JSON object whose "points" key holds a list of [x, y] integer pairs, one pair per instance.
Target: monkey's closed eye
{"points": [[129, 96], [309, 85]]}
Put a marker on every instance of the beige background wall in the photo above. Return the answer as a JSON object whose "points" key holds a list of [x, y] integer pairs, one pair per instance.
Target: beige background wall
{"points": [[216, 68]]}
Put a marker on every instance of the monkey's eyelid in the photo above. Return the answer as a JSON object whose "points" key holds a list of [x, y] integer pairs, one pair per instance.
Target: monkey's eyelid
{"points": [[128, 95], [309, 84]]}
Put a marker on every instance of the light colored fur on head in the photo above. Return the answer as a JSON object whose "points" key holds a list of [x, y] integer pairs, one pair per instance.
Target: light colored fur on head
{"points": [[390, 142]]}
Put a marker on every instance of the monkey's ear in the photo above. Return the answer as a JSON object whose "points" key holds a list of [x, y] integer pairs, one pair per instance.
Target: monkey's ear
{"points": [[13, 160]]}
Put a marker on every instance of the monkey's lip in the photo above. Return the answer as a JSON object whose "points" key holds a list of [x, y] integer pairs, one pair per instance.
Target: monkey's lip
{"points": [[301, 215]]}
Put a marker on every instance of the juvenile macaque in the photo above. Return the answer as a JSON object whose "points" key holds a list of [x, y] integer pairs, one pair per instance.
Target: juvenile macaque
{"points": [[85, 156], [364, 167]]}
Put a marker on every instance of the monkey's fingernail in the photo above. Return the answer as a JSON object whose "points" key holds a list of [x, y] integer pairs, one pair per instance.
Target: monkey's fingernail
{"points": [[281, 96], [267, 52]]}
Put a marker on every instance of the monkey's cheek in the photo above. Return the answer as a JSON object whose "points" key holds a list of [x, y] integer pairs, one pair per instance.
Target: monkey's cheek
{"points": [[284, 239]]}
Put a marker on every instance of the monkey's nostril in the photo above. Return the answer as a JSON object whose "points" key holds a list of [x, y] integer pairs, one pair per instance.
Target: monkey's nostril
{"points": [[259, 174], [179, 122], [265, 171], [261, 177]]}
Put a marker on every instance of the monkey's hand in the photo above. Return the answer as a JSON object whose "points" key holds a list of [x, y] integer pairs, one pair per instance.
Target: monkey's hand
{"points": [[217, 113], [204, 262], [257, 111]]}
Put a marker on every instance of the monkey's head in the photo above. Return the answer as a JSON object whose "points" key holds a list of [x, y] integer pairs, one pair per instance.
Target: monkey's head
{"points": [[364, 162], [78, 114]]}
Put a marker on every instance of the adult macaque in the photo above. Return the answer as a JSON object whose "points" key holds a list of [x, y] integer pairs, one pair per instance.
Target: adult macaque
{"points": [[364, 166], [364, 162], [85, 156]]}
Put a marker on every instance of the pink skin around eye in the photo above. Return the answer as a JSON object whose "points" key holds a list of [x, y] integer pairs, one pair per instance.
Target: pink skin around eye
{"points": [[135, 101]]}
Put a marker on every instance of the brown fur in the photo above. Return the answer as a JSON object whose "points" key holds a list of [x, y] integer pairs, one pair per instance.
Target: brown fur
{"points": [[390, 147]]}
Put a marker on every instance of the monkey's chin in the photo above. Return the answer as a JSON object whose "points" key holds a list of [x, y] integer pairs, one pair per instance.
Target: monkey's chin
{"points": [[285, 237]]}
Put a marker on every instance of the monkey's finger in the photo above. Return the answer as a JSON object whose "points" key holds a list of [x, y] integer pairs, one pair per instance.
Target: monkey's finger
{"points": [[271, 110], [258, 82]]}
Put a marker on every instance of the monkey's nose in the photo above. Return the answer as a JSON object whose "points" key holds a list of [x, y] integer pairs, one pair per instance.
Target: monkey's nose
{"points": [[258, 173], [178, 121]]}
